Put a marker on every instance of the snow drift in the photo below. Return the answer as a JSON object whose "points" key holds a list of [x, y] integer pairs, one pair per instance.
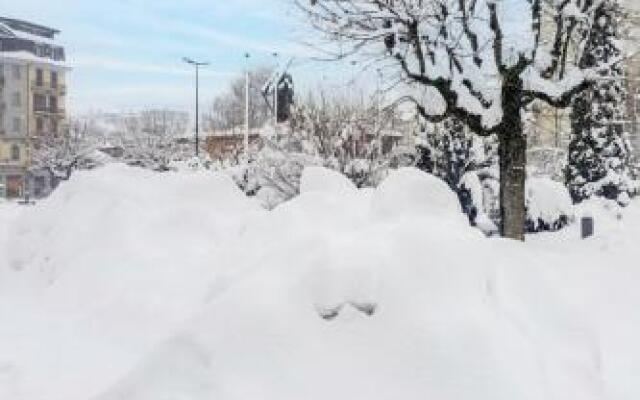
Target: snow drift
{"points": [[129, 285]]}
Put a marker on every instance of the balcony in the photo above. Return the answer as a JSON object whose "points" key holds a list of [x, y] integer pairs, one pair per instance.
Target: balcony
{"points": [[50, 111], [57, 89]]}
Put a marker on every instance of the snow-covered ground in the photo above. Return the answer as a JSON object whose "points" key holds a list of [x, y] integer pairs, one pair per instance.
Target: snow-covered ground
{"points": [[132, 285]]}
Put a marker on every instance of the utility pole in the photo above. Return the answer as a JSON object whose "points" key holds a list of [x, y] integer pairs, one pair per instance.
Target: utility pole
{"points": [[276, 85], [197, 65], [378, 97], [28, 142], [246, 110], [353, 83]]}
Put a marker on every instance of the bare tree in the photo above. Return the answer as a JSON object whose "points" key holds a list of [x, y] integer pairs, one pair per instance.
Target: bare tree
{"points": [[150, 138], [227, 110], [61, 154], [359, 141], [480, 61]]}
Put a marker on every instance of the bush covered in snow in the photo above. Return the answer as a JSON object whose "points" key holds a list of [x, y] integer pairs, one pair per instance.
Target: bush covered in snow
{"points": [[351, 140], [549, 205]]}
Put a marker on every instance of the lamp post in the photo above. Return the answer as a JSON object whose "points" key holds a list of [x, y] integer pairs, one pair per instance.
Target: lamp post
{"points": [[276, 85], [197, 66], [246, 110], [26, 186], [353, 82], [378, 96]]}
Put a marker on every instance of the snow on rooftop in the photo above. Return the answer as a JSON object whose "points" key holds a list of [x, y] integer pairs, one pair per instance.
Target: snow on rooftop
{"points": [[25, 56], [35, 38]]}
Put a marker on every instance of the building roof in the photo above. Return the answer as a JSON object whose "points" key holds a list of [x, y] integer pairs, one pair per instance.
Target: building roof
{"points": [[29, 27], [26, 41], [27, 57]]}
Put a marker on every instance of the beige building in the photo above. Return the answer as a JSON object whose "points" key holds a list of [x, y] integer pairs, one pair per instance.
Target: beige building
{"points": [[633, 74], [633, 101], [32, 103], [552, 126]]}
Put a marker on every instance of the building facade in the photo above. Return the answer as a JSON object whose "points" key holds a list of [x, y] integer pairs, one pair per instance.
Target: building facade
{"points": [[632, 71], [32, 103], [551, 127]]}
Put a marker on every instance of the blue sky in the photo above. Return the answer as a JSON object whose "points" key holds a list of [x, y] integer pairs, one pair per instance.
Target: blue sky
{"points": [[126, 54]]}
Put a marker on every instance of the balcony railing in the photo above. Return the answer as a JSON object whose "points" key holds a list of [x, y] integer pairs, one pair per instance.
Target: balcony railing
{"points": [[49, 110], [58, 88]]}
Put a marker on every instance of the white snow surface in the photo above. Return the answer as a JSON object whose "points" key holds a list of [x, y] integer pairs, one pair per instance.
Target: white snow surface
{"points": [[318, 179], [547, 200], [132, 285]]}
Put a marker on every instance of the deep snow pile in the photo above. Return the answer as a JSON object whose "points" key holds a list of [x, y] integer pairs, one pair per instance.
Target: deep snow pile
{"points": [[129, 285], [94, 277]]}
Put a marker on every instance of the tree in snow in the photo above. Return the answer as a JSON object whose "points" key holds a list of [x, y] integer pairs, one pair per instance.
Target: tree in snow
{"points": [[445, 150], [151, 139], [61, 154], [354, 140], [449, 152], [599, 152], [228, 110], [467, 163], [480, 61]]}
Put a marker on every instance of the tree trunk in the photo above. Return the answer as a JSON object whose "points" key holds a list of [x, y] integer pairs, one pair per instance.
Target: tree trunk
{"points": [[513, 162]]}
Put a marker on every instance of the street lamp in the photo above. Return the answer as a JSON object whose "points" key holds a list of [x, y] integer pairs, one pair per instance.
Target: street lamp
{"points": [[378, 96], [246, 109], [352, 85], [275, 91], [197, 65]]}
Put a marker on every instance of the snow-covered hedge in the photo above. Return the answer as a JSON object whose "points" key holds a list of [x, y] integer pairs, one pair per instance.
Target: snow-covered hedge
{"points": [[549, 205]]}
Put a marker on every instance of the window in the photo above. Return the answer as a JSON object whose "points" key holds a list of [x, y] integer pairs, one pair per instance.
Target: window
{"points": [[54, 79], [58, 54], [53, 104], [17, 73], [39, 124], [17, 125], [16, 99], [39, 102], [39, 77], [15, 152], [54, 127]]}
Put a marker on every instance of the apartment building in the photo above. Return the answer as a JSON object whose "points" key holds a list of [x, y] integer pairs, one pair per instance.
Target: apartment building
{"points": [[552, 126], [32, 103], [633, 101]]}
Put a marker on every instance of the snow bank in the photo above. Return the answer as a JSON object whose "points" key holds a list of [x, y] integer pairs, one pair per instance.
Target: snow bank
{"points": [[137, 286], [105, 268], [409, 192], [371, 304], [325, 180]]}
